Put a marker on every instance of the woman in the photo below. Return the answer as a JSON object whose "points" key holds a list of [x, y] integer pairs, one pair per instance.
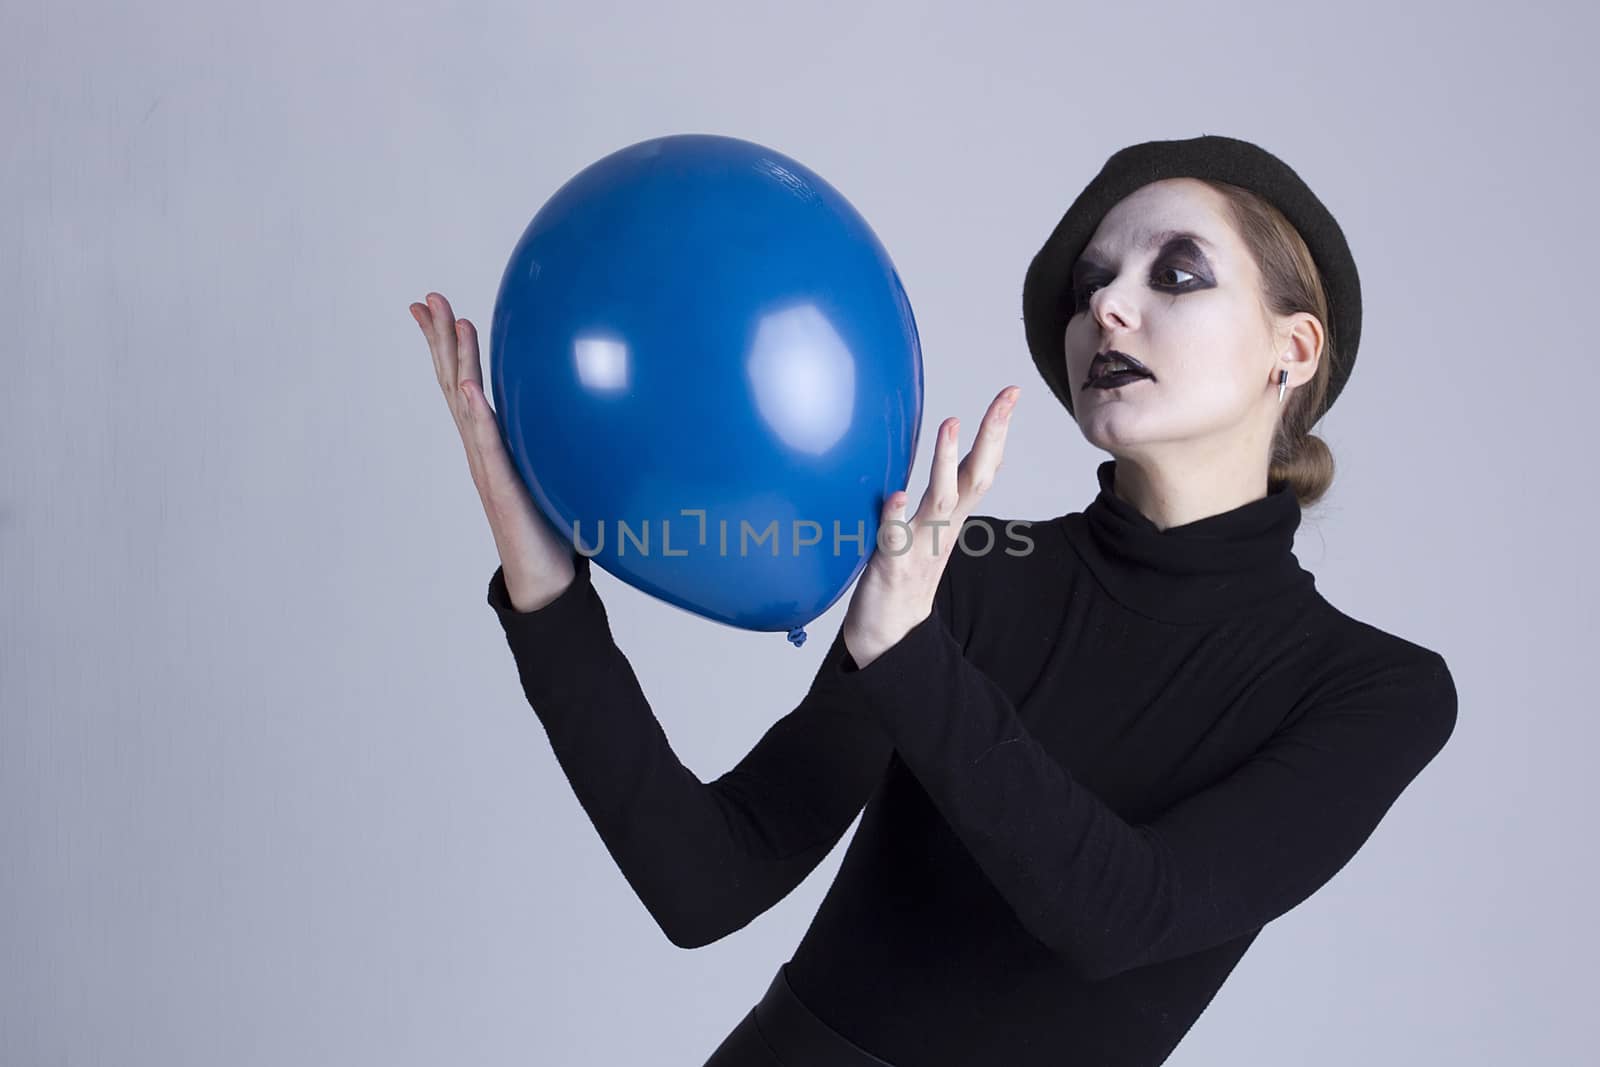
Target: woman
{"points": [[1096, 753]]}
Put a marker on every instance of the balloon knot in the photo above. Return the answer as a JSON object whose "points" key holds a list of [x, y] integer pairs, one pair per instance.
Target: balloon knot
{"points": [[797, 636]]}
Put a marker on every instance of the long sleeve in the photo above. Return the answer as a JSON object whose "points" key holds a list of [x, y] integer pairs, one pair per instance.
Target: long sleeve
{"points": [[1109, 895], [704, 858]]}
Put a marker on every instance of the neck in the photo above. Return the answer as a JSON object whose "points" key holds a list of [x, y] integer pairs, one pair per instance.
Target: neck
{"points": [[1172, 496], [1216, 565]]}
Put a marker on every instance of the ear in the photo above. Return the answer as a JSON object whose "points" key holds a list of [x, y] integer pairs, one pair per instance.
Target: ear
{"points": [[1300, 339]]}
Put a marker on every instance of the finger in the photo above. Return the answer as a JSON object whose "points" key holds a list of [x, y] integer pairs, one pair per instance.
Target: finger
{"points": [[978, 470], [943, 493], [468, 368], [897, 505], [424, 316], [442, 321], [486, 451], [894, 510]]}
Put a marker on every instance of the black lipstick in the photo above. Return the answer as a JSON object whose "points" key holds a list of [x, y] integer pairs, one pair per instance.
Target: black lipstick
{"points": [[1114, 379]]}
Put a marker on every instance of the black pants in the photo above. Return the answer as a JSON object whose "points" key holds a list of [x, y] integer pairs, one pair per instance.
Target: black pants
{"points": [[780, 1031]]}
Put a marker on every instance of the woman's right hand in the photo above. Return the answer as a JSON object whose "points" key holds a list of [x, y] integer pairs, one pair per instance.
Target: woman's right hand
{"points": [[536, 559]]}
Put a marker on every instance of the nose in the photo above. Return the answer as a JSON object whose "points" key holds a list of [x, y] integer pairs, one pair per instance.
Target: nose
{"points": [[1111, 309]]}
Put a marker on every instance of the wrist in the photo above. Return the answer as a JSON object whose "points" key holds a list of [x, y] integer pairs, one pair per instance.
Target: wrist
{"points": [[529, 595], [868, 646]]}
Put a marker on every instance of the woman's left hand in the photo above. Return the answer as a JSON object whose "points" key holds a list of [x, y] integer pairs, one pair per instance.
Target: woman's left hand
{"points": [[896, 590]]}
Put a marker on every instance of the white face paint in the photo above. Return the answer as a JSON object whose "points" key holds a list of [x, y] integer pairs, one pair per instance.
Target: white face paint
{"points": [[1188, 307]]}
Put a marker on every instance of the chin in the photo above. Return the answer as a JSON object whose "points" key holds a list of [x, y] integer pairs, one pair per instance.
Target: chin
{"points": [[1125, 424], [1114, 427]]}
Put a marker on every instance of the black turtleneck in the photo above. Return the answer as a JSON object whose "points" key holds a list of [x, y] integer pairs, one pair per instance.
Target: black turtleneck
{"points": [[1106, 760]]}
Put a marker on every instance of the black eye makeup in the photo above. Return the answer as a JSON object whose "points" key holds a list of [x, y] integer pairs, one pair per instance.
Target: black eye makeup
{"points": [[1180, 267]]}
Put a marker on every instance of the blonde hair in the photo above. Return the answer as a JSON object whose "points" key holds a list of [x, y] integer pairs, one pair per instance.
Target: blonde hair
{"points": [[1290, 283]]}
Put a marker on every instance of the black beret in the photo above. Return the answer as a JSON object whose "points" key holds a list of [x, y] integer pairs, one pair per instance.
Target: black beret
{"points": [[1046, 296]]}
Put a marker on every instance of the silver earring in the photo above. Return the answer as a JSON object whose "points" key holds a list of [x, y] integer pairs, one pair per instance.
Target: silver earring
{"points": [[1283, 379]]}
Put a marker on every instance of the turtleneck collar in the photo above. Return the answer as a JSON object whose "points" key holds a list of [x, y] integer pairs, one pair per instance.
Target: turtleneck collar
{"points": [[1202, 571]]}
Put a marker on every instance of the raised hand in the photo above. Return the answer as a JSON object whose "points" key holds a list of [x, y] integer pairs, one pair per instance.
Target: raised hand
{"points": [[536, 559], [896, 590]]}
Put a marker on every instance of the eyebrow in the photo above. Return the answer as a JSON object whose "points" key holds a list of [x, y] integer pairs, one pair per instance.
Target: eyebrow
{"points": [[1091, 257]]}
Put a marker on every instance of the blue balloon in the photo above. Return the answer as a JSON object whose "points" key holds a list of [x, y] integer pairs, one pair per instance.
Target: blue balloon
{"points": [[707, 372]]}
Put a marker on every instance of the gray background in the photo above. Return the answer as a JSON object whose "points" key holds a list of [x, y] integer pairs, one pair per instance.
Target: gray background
{"points": [[269, 791]]}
